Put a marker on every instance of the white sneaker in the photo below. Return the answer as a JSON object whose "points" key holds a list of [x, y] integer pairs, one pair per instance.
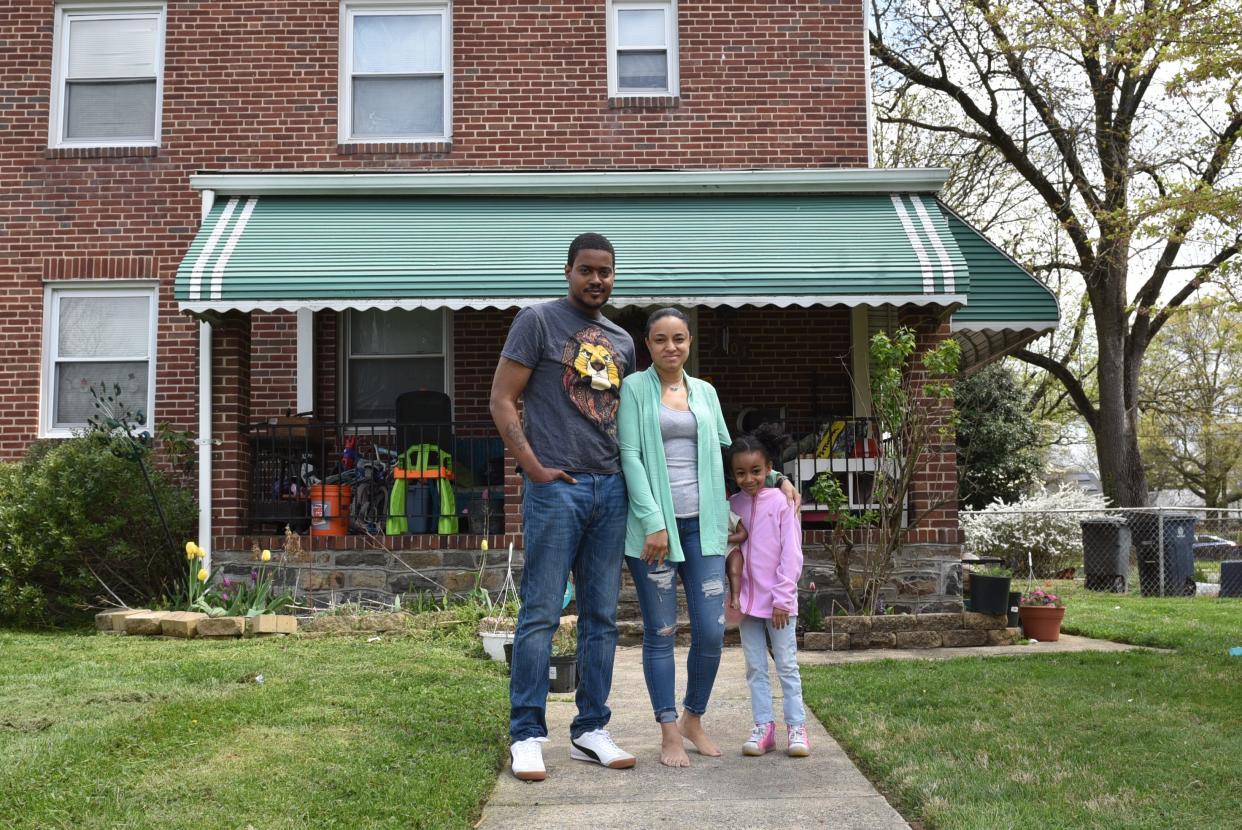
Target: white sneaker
{"points": [[528, 759], [599, 747]]}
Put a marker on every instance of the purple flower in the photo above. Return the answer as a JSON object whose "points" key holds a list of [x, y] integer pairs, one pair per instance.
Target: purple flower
{"points": [[226, 582], [224, 597]]}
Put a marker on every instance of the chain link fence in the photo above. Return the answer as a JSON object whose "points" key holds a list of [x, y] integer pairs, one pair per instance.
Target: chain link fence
{"points": [[1181, 551]]}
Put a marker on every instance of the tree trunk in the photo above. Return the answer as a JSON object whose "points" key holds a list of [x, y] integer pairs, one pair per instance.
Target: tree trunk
{"points": [[1116, 434]]}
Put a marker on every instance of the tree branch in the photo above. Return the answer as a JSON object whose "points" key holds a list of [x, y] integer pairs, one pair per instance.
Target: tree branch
{"points": [[1072, 385]]}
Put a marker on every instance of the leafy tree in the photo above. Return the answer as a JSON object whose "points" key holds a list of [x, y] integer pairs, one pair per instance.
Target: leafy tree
{"points": [[1121, 122], [999, 453], [1191, 430]]}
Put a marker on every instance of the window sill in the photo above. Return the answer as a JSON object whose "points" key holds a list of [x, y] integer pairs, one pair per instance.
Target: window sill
{"points": [[394, 148], [101, 152], [644, 102]]}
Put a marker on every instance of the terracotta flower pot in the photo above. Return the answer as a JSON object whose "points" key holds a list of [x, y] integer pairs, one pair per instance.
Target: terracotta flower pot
{"points": [[1042, 622]]}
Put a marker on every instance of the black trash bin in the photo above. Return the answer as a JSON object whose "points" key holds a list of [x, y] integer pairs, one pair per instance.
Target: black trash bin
{"points": [[1177, 578], [1106, 554]]}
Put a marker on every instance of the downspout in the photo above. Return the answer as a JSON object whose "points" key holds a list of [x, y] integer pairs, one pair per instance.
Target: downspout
{"points": [[204, 422]]}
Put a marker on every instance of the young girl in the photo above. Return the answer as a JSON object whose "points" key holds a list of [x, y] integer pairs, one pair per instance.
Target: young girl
{"points": [[772, 563]]}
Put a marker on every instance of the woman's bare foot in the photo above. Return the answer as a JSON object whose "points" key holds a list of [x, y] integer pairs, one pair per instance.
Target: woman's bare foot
{"points": [[672, 750], [691, 728]]}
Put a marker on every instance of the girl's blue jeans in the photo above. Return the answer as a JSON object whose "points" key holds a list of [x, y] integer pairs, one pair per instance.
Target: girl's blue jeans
{"points": [[704, 580], [756, 633], [579, 528]]}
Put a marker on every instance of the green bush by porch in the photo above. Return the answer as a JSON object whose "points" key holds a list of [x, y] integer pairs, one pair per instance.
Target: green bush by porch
{"points": [[71, 510]]}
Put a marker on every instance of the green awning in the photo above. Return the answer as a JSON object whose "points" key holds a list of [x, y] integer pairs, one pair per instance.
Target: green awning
{"points": [[472, 251], [1006, 307]]}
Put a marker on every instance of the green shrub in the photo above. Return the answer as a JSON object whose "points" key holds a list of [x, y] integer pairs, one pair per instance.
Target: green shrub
{"points": [[74, 517]]}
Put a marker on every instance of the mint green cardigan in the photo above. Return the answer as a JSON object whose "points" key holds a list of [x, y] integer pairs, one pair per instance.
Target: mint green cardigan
{"points": [[646, 470]]}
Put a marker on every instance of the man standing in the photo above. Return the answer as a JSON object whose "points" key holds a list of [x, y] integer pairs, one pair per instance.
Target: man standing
{"points": [[566, 362]]}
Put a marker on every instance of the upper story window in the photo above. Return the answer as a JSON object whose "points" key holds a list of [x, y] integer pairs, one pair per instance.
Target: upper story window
{"points": [[396, 78], [107, 75], [642, 47], [96, 332]]}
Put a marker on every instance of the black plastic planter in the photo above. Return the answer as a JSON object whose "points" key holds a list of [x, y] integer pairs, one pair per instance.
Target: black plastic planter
{"points": [[563, 673], [989, 594], [1015, 597]]}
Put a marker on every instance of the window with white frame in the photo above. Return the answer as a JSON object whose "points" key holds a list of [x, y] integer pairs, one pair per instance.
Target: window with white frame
{"points": [[391, 352], [96, 333], [396, 78], [107, 75], [642, 47]]}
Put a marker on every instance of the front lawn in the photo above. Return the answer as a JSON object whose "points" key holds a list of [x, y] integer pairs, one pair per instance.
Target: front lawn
{"points": [[1134, 740], [106, 732]]}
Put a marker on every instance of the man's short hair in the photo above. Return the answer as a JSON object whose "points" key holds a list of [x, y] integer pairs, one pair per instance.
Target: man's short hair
{"points": [[590, 242]]}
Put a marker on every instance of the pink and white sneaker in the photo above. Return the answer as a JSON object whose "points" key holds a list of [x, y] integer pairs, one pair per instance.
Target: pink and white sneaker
{"points": [[799, 745], [762, 739]]}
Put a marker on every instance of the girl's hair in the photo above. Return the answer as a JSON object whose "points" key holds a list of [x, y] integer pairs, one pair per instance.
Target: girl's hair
{"points": [[661, 313], [767, 439]]}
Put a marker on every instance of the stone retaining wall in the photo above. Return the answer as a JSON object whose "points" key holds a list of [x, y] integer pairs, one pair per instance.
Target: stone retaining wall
{"points": [[940, 630], [928, 578]]}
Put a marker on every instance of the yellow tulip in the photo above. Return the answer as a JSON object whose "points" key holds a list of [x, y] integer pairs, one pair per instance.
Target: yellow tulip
{"points": [[266, 556], [191, 550], [484, 545], [202, 574]]}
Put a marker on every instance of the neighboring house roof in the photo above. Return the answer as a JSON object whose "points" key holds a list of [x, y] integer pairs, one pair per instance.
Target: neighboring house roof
{"points": [[783, 238]]}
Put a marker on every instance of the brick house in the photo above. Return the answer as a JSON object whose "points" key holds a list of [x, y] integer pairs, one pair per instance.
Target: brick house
{"points": [[240, 212]]}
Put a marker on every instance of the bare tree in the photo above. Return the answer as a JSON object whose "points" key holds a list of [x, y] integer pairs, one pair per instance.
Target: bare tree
{"points": [[1120, 120]]}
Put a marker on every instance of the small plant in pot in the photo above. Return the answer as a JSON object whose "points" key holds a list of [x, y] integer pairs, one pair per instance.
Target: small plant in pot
{"points": [[989, 590], [563, 667], [1041, 614]]}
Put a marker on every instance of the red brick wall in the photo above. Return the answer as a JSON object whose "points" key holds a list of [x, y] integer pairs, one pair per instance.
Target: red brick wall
{"points": [[935, 486], [792, 357], [273, 364], [763, 84]]}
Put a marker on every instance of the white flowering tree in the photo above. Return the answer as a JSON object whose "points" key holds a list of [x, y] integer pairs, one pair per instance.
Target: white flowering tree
{"points": [[1046, 526]]}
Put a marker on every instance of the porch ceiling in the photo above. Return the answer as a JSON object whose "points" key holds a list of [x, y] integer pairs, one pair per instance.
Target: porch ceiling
{"points": [[338, 251]]}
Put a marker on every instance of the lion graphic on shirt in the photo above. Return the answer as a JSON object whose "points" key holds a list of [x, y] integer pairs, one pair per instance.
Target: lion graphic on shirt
{"points": [[592, 377]]}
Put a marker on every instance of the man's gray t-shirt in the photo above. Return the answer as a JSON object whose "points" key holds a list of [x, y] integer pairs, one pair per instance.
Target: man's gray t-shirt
{"points": [[571, 400]]}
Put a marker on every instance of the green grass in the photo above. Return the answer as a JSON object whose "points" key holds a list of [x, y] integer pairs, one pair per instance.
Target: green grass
{"points": [[106, 732], [1089, 740]]}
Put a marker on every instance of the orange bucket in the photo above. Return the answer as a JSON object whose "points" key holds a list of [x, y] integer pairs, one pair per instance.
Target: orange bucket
{"points": [[329, 505]]}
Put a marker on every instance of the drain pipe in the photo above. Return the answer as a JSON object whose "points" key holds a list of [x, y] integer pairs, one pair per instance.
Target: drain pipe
{"points": [[204, 422]]}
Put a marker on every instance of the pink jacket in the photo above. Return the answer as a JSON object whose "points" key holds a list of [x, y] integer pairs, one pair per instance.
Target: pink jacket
{"points": [[772, 553]]}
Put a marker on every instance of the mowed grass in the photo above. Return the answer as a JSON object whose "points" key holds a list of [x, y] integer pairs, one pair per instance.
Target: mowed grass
{"points": [[107, 732], [1088, 740]]}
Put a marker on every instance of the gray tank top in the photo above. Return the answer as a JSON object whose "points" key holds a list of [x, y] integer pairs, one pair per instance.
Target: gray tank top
{"points": [[680, 431]]}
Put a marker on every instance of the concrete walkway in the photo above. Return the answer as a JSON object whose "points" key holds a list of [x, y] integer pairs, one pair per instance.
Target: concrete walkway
{"points": [[774, 791], [823, 791]]}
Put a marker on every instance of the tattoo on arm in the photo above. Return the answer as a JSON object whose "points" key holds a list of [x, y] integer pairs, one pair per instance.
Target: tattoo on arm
{"points": [[517, 438]]}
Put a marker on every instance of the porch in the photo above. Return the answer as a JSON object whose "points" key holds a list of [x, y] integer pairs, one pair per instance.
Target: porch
{"points": [[312, 305]]}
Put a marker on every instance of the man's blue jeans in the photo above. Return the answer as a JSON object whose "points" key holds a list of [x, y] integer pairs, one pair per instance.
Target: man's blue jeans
{"points": [[579, 528], [704, 581]]}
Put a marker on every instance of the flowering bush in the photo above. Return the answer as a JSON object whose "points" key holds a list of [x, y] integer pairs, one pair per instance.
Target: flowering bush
{"points": [[1042, 598], [1045, 525]]}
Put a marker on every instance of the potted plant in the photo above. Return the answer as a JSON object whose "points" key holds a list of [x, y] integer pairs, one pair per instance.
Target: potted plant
{"points": [[1041, 614], [989, 590], [563, 667], [497, 629]]}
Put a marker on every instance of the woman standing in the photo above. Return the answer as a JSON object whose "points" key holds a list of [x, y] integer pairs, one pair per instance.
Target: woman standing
{"points": [[670, 433]]}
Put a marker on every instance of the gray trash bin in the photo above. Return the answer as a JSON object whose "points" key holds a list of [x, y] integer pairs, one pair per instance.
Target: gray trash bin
{"points": [[1177, 578], [1231, 578], [1106, 554]]}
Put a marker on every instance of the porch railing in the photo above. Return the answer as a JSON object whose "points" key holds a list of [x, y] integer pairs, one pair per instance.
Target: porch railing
{"points": [[340, 478], [848, 448]]}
